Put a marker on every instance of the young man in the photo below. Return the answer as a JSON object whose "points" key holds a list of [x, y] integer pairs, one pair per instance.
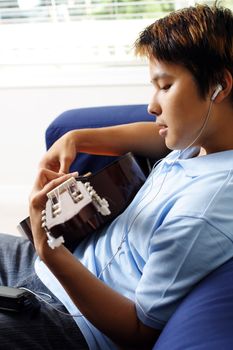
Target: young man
{"points": [[125, 282]]}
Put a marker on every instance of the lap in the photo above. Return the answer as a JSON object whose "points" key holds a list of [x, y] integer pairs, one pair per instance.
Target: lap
{"points": [[44, 329], [17, 256]]}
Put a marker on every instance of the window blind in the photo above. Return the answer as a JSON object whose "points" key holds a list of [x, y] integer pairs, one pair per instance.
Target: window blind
{"points": [[65, 34], [39, 11]]}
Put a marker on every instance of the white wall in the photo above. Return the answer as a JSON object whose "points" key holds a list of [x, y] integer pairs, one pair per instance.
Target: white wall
{"points": [[27, 111]]}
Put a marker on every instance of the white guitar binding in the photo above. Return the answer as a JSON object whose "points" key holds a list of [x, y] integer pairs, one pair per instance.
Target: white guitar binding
{"points": [[75, 196]]}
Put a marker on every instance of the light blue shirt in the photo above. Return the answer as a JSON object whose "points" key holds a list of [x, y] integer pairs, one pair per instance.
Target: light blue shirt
{"points": [[178, 228]]}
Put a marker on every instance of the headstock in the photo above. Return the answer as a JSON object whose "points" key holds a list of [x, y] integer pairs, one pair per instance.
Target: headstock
{"points": [[66, 201]]}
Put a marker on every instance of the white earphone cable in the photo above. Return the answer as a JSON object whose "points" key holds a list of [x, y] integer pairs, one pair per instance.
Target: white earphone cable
{"points": [[36, 294]]}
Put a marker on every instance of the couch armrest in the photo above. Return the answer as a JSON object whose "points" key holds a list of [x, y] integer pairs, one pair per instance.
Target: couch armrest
{"points": [[91, 118], [204, 319]]}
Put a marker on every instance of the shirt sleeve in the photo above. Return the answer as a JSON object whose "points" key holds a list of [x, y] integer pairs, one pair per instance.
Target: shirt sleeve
{"points": [[182, 251]]}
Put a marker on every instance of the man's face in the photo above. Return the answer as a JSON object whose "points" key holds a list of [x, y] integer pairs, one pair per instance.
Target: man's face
{"points": [[180, 110]]}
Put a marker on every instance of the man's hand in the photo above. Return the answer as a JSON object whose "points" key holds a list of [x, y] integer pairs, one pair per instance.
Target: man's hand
{"points": [[61, 155], [110, 312], [46, 181]]}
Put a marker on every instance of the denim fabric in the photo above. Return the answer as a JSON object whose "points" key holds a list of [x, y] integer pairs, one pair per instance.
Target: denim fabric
{"points": [[44, 329]]}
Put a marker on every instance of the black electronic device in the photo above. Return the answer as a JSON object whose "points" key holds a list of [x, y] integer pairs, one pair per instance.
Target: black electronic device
{"points": [[17, 300]]}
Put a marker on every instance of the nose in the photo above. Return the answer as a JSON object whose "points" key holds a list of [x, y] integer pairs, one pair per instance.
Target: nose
{"points": [[154, 107]]}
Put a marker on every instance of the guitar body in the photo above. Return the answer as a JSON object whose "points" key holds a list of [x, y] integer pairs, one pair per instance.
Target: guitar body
{"points": [[117, 184]]}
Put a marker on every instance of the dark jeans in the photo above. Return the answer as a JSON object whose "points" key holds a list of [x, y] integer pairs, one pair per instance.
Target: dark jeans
{"points": [[44, 329]]}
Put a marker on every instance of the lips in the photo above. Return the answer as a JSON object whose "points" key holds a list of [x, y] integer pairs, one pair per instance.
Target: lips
{"points": [[163, 128]]}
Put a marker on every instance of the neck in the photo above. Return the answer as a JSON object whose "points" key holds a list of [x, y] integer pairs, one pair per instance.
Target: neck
{"points": [[218, 135]]}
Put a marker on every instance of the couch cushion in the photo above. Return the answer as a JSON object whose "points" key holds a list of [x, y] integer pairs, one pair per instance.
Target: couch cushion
{"points": [[204, 320]]}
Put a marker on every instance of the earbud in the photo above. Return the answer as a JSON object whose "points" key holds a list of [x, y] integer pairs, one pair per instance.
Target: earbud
{"points": [[216, 92]]}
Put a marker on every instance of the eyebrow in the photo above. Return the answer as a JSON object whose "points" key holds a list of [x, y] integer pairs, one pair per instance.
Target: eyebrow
{"points": [[158, 76]]}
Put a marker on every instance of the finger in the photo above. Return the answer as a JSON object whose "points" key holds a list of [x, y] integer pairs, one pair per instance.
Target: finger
{"points": [[48, 164], [64, 166], [46, 175], [39, 193], [58, 181]]}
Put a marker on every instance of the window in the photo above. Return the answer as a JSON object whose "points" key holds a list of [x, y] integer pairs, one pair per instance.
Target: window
{"points": [[46, 38], [21, 11]]}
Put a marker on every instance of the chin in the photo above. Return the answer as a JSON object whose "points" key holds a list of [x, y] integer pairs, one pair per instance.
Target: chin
{"points": [[174, 146], [171, 146]]}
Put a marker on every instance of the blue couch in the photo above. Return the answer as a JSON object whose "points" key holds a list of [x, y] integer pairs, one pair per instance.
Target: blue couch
{"points": [[204, 319]]}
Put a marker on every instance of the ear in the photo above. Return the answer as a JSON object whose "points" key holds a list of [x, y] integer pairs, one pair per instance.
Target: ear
{"points": [[227, 85]]}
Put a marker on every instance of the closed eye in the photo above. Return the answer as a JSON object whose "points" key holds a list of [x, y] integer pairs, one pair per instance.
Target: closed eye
{"points": [[165, 87]]}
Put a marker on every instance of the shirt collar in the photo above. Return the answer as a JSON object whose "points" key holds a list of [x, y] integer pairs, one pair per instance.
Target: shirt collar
{"points": [[195, 166]]}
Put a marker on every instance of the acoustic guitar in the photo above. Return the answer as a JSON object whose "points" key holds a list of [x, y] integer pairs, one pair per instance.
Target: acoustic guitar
{"points": [[80, 206]]}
